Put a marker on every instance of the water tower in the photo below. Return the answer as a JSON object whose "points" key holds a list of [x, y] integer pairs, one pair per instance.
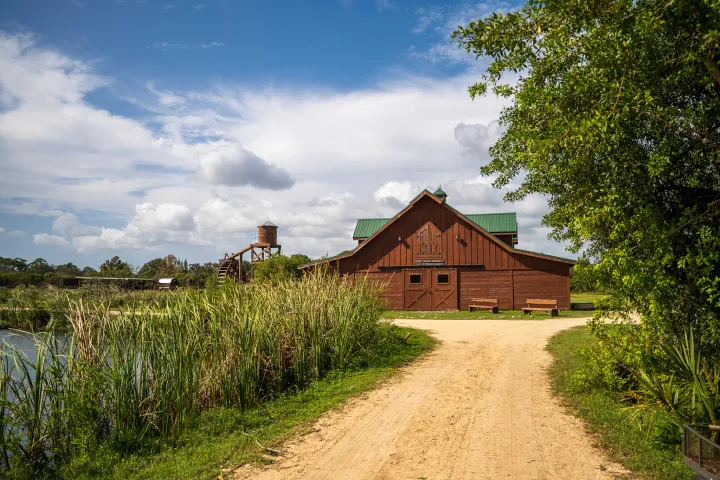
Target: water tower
{"points": [[265, 247]]}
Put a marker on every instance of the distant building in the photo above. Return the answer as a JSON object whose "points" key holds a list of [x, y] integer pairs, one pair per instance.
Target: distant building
{"points": [[166, 284]]}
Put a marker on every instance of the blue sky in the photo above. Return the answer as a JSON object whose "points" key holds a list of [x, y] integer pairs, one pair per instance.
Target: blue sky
{"points": [[144, 127]]}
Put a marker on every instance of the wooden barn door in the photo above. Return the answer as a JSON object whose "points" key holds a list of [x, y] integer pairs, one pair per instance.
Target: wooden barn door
{"points": [[444, 289], [417, 290]]}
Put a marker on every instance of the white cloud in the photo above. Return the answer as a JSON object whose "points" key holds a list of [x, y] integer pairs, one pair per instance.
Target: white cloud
{"points": [[184, 46], [236, 166], [152, 225], [440, 21], [67, 225], [385, 5], [396, 194], [168, 6], [478, 138], [428, 16], [166, 216], [207, 166], [45, 239], [2, 230], [166, 98], [199, 6], [16, 233]]}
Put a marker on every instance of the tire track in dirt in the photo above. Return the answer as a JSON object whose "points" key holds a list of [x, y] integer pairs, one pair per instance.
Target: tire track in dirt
{"points": [[479, 407]]}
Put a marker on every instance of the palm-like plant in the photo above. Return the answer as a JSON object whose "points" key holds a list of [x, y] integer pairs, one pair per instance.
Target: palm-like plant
{"points": [[684, 383]]}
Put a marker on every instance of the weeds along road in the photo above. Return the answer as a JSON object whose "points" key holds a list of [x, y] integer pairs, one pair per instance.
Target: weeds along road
{"points": [[478, 407]]}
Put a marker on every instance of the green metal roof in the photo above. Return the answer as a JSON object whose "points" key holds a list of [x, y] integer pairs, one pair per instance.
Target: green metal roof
{"points": [[439, 192], [495, 222], [492, 222], [365, 227]]}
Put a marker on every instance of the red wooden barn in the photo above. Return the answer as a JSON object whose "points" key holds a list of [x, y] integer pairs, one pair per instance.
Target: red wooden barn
{"points": [[432, 257]]}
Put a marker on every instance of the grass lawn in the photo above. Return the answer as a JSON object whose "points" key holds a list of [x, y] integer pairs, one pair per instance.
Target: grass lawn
{"points": [[226, 438], [483, 315], [585, 297], [608, 417]]}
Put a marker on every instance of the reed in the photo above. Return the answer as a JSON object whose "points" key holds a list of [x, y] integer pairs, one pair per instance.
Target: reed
{"points": [[122, 380]]}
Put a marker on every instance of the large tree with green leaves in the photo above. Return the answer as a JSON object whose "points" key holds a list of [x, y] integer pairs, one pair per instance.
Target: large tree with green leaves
{"points": [[116, 268], [614, 116]]}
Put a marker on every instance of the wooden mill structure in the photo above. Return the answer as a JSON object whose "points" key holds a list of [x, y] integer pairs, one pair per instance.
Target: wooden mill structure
{"points": [[265, 247]]}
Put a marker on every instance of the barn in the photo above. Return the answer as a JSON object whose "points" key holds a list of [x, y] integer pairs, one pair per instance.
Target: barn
{"points": [[432, 257]]}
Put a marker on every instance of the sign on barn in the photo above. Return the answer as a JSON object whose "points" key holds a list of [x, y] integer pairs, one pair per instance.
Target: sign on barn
{"points": [[431, 257]]}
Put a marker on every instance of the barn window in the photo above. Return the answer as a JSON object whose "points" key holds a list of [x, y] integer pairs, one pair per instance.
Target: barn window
{"points": [[415, 279], [443, 278]]}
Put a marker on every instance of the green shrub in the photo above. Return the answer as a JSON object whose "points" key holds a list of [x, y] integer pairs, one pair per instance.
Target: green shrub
{"points": [[280, 267]]}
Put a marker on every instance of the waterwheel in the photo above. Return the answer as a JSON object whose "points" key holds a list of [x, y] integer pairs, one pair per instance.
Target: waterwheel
{"points": [[229, 268]]}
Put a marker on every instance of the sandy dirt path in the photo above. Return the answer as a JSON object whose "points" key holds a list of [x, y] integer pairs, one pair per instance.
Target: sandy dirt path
{"points": [[478, 407]]}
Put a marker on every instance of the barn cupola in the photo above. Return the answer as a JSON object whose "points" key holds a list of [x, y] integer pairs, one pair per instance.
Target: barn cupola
{"points": [[439, 193]]}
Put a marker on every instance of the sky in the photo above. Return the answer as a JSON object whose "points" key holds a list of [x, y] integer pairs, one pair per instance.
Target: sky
{"points": [[141, 128]]}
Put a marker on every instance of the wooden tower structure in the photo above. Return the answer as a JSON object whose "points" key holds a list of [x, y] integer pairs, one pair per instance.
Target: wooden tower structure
{"points": [[265, 247]]}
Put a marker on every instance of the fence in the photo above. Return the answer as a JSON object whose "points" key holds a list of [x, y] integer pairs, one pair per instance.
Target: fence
{"points": [[701, 451]]}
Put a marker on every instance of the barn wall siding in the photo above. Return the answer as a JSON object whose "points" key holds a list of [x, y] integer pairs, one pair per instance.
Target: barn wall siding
{"points": [[538, 284], [392, 285], [485, 284]]}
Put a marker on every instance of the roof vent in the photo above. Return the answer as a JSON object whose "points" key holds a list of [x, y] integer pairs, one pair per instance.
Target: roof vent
{"points": [[439, 193]]}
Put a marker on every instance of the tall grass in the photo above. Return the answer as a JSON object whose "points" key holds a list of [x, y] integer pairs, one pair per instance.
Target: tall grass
{"points": [[34, 308], [120, 381]]}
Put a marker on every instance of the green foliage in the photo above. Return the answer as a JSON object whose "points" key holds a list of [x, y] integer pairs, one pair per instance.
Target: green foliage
{"points": [[168, 266], [88, 272], [116, 268], [198, 275], [67, 270], [582, 279], [225, 437], [12, 264], [280, 267], [684, 383], [609, 365], [614, 116], [638, 441], [126, 381]]}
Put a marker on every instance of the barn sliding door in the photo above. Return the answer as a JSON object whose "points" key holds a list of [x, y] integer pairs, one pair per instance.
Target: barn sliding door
{"points": [[444, 289], [417, 290]]}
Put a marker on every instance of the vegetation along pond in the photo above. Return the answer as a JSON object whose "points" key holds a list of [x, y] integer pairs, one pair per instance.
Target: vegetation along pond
{"points": [[123, 380]]}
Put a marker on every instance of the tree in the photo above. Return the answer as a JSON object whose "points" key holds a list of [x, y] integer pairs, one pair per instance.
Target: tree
{"points": [[67, 270], [614, 116], [152, 268], [280, 267], [40, 265], [168, 266], [88, 272], [199, 274], [12, 264], [116, 268]]}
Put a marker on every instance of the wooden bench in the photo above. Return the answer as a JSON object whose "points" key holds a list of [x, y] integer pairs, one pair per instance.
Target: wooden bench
{"points": [[489, 304], [538, 305]]}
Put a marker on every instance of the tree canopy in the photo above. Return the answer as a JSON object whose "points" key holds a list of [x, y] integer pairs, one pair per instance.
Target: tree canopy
{"points": [[280, 267], [614, 116], [116, 268]]}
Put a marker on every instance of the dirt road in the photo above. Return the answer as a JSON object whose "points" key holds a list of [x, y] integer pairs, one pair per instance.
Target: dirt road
{"points": [[479, 407]]}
